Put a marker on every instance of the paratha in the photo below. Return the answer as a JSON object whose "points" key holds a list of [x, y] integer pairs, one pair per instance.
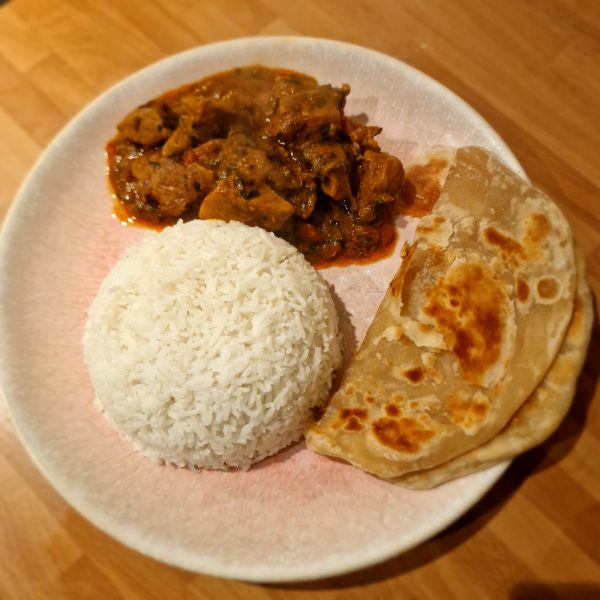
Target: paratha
{"points": [[468, 327], [540, 415]]}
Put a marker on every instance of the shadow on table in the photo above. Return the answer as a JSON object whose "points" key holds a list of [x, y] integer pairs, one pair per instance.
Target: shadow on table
{"points": [[555, 591], [534, 461]]}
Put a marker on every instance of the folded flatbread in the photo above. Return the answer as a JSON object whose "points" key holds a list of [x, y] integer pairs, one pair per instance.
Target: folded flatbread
{"points": [[468, 327], [540, 415]]}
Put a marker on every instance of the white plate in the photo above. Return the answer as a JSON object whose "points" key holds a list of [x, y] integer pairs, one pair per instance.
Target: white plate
{"points": [[296, 516]]}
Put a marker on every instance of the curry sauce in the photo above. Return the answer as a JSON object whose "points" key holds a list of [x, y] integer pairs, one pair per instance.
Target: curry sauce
{"points": [[268, 147]]}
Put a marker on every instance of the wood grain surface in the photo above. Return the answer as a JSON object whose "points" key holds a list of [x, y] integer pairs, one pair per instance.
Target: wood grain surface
{"points": [[532, 69]]}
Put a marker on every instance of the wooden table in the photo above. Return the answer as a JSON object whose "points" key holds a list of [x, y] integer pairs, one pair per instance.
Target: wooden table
{"points": [[532, 69]]}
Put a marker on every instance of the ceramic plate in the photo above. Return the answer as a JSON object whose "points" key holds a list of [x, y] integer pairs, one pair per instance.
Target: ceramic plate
{"points": [[295, 516]]}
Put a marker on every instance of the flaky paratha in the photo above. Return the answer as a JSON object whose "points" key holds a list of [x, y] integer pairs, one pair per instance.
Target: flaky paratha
{"points": [[467, 328], [540, 415]]}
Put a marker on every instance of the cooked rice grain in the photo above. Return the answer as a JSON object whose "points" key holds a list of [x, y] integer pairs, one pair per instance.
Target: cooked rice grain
{"points": [[209, 343]]}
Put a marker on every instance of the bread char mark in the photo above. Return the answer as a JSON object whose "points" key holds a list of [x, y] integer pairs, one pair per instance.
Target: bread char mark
{"points": [[467, 306]]}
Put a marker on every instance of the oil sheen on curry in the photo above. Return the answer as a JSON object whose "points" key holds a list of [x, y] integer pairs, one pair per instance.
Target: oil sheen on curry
{"points": [[267, 147]]}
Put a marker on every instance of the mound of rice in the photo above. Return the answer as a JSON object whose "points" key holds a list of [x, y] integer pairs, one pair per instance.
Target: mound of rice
{"points": [[209, 343]]}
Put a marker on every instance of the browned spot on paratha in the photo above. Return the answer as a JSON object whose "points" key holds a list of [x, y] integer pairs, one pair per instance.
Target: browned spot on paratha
{"points": [[522, 290], [468, 413], [391, 409], [353, 424], [402, 435], [511, 249], [346, 413], [414, 375], [474, 323], [538, 229], [548, 288], [350, 418]]}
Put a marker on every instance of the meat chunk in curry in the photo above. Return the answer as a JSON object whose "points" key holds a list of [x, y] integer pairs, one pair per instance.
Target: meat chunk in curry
{"points": [[267, 147]]}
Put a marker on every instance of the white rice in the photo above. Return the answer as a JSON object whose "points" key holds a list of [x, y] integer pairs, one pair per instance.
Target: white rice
{"points": [[209, 343]]}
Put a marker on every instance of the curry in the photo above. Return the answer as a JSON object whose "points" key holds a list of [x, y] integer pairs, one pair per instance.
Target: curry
{"points": [[268, 147]]}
